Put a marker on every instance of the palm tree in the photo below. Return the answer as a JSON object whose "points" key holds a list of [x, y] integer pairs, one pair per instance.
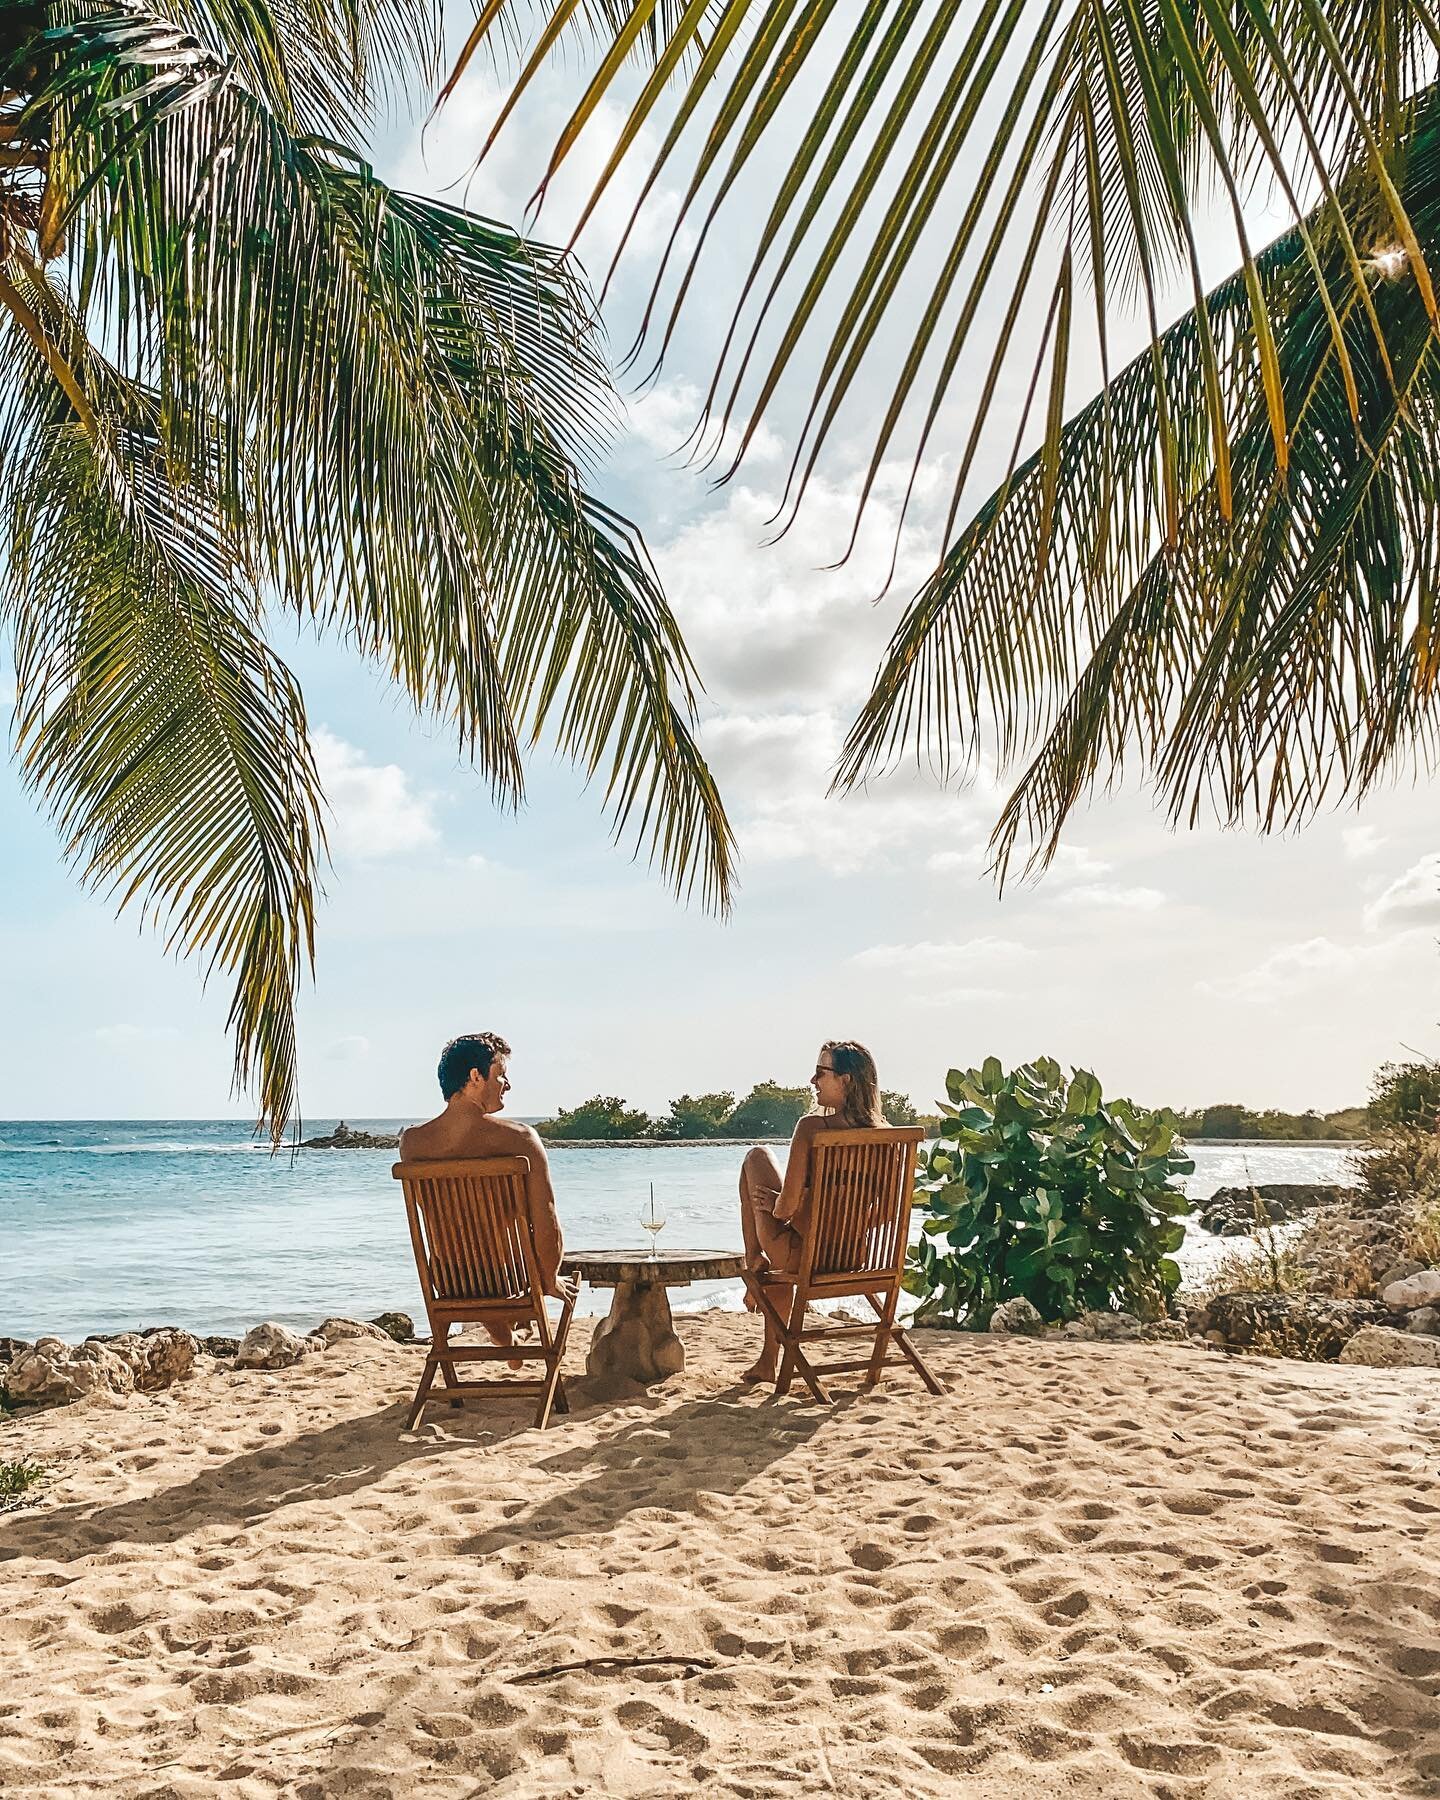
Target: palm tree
{"points": [[1224, 566], [242, 377]]}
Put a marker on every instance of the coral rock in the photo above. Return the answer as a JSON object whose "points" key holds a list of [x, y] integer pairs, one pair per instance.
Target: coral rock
{"points": [[1018, 1317], [1377, 1347], [1415, 1290], [50, 1370], [335, 1330], [271, 1346], [397, 1325], [1424, 1321]]}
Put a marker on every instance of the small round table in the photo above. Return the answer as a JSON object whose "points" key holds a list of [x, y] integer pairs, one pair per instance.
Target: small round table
{"points": [[636, 1341]]}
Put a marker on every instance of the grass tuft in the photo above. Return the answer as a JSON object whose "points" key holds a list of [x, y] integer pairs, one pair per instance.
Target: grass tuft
{"points": [[18, 1481]]}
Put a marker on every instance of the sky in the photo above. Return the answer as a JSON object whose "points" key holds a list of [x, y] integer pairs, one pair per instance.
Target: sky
{"points": [[1183, 967]]}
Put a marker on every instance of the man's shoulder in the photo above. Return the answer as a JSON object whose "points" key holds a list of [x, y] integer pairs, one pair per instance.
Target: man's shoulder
{"points": [[525, 1138], [415, 1140]]}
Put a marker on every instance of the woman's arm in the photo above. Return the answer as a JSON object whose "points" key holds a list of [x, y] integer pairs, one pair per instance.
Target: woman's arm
{"points": [[797, 1170]]}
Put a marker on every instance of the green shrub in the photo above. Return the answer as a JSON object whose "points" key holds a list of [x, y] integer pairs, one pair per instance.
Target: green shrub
{"points": [[1041, 1189], [1406, 1094], [16, 1481]]}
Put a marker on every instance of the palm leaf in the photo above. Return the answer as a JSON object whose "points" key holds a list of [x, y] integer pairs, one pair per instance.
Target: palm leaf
{"points": [[1273, 655]]}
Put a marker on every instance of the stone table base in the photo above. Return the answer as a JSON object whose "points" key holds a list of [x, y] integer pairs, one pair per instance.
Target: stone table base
{"points": [[636, 1341]]}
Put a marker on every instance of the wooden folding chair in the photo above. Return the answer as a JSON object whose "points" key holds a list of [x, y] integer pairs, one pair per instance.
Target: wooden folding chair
{"points": [[470, 1225], [853, 1243]]}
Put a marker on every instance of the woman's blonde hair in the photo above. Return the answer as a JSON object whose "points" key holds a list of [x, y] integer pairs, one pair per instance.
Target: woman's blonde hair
{"points": [[862, 1084]]}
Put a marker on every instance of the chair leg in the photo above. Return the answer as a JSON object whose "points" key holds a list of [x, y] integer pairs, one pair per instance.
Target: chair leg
{"points": [[795, 1358], [912, 1356], [552, 1372], [901, 1339], [882, 1337], [418, 1405]]}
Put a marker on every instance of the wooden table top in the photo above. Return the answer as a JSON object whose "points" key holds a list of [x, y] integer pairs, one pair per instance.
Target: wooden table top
{"points": [[671, 1268]]}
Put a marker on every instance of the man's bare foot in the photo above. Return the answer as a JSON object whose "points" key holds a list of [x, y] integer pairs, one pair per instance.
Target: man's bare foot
{"points": [[764, 1370]]}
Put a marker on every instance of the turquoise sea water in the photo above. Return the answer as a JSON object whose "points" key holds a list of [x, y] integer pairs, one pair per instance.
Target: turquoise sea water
{"points": [[107, 1226]]}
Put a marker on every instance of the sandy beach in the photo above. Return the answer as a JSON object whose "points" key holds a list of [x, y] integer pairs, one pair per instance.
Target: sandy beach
{"points": [[1090, 1569]]}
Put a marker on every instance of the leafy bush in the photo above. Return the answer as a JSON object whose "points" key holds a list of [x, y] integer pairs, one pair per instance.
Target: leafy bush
{"points": [[603, 1116], [697, 1116], [770, 1110], [1406, 1094], [16, 1481], [1041, 1189]]}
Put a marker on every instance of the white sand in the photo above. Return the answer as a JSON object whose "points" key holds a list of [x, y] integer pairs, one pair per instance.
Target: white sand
{"points": [[1091, 1569]]}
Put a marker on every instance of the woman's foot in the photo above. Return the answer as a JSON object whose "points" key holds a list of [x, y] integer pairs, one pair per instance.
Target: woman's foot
{"points": [[764, 1370]]}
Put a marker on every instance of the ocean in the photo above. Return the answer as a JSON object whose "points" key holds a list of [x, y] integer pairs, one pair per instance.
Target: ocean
{"points": [[114, 1225]]}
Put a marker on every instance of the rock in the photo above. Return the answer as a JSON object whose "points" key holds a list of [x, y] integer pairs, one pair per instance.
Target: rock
{"points": [[1018, 1318], [335, 1331], [343, 1138], [50, 1371], [157, 1357], [1309, 1326], [1074, 1329], [271, 1346], [1232, 1211], [221, 1346], [1422, 1289], [1165, 1331], [1398, 1270], [1376, 1347], [10, 1348], [170, 1354], [1424, 1321], [397, 1325], [1112, 1327]]}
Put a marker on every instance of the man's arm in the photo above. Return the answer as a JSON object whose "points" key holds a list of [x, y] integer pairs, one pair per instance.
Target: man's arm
{"points": [[544, 1220]]}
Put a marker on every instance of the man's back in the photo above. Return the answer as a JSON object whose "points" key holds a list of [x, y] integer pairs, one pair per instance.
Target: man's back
{"points": [[471, 1133]]}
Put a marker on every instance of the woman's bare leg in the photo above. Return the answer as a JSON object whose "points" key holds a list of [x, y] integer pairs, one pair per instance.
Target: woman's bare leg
{"points": [[769, 1242]]}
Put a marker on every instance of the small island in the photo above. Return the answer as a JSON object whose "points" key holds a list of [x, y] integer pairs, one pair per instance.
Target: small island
{"points": [[343, 1138]]}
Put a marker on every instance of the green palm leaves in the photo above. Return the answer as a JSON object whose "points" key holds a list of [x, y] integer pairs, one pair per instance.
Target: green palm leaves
{"points": [[1224, 564], [316, 393]]}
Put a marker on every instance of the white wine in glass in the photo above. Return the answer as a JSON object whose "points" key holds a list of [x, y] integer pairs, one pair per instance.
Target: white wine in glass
{"points": [[653, 1219]]}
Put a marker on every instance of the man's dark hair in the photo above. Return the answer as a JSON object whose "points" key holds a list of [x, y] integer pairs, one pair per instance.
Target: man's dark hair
{"points": [[476, 1050]]}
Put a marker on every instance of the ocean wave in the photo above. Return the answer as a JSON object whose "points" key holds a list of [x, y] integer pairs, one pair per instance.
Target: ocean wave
{"points": [[142, 1149]]}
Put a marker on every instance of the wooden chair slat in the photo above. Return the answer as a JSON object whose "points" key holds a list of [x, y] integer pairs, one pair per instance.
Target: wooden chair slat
{"points": [[475, 1255], [853, 1241]]}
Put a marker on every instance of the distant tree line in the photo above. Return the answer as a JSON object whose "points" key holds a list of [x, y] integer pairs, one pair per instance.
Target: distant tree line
{"points": [[768, 1110], [1401, 1094], [1231, 1120]]}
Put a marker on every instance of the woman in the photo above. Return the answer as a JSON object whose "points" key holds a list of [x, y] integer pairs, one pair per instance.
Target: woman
{"points": [[772, 1205]]}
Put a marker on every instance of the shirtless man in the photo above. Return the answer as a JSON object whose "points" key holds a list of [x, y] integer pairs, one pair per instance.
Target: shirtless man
{"points": [[474, 1081]]}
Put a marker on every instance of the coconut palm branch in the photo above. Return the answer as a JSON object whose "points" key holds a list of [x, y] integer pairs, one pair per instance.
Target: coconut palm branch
{"points": [[1274, 654], [964, 180], [316, 393]]}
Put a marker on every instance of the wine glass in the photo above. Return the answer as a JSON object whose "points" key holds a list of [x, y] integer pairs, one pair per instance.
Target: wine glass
{"points": [[653, 1219]]}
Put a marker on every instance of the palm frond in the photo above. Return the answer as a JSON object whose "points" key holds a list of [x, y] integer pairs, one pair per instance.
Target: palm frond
{"points": [[1053, 132], [166, 738], [386, 405], [1262, 656]]}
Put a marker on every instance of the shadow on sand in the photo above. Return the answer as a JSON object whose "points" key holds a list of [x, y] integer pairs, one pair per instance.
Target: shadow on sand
{"points": [[662, 1460]]}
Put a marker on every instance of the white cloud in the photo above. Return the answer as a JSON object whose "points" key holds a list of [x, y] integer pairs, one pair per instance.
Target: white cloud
{"points": [[375, 813], [1318, 962], [1411, 899], [1107, 897], [1360, 841], [665, 416], [347, 1049], [974, 957]]}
